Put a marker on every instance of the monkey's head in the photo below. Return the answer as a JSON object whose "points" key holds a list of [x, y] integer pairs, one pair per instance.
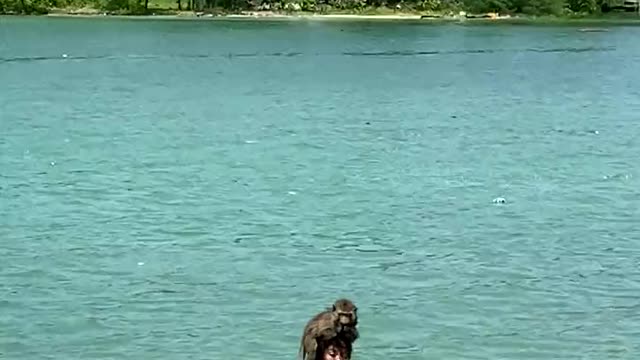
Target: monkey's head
{"points": [[346, 312]]}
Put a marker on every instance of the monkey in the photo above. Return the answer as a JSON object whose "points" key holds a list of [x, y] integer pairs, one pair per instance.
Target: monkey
{"points": [[338, 321]]}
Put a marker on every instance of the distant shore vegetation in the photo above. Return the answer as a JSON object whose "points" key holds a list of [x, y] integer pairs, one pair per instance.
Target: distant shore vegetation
{"points": [[425, 8]]}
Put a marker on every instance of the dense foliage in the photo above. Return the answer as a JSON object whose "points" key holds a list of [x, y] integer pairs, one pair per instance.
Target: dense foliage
{"points": [[533, 7]]}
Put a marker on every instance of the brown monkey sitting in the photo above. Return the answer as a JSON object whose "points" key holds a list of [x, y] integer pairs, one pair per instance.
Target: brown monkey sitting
{"points": [[338, 321]]}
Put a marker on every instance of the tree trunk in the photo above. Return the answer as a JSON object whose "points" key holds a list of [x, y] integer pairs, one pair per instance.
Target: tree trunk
{"points": [[179, 5], [146, 5]]}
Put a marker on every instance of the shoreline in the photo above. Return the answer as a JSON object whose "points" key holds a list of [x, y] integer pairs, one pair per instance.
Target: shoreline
{"points": [[243, 16], [170, 14]]}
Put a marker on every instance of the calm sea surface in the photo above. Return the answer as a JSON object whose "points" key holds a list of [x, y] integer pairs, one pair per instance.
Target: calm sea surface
{"points": [[199, 189]]}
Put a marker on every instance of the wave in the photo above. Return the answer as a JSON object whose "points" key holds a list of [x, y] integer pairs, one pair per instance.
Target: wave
{"points": [[478, 51], [65, 57]]}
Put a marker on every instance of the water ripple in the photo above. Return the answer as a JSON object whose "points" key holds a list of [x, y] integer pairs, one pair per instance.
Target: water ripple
{"points": [[295, 54]]}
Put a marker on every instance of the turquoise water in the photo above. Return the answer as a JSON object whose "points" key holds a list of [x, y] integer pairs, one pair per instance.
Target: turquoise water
{"points": [[199, 189]]}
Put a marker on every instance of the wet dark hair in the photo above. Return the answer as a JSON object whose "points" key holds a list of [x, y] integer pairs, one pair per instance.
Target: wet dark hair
{"points": [[341, 344]]}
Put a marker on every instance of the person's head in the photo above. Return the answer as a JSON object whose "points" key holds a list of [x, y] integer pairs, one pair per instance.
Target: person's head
{"points": [[332, 352], [334, 349]]}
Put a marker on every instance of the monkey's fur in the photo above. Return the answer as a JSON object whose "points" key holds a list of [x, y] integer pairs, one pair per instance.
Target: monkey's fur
{"points": [[338, 321]]}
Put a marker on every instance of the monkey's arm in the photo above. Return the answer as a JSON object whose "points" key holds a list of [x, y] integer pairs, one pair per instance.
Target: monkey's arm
{"points": [[351, 334]]}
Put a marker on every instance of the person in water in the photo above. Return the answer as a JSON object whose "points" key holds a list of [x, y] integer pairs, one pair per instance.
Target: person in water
{"points": [[334, 349]]}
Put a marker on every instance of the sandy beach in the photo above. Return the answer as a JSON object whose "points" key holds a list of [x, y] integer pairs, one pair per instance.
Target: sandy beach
{"points": [[329, 16]]}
